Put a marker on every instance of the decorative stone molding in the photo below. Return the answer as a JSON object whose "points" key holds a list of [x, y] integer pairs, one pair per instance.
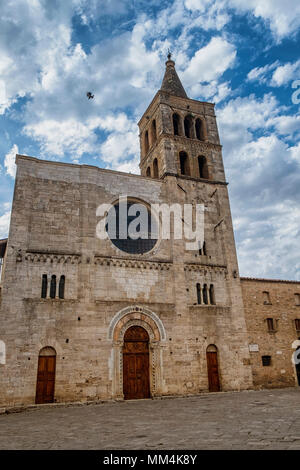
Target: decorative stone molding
{"points": [[137, 313], [133, 263], [52, 258], [204, 268]]}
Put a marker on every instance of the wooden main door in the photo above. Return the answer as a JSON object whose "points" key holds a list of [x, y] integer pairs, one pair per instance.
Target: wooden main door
{"points": [[46, 376], [136, 364], [213, 369]]}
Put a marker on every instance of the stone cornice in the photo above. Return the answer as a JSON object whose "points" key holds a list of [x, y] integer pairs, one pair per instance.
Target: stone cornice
{"points": [[40, 257], [205, 267], [133, 263]]}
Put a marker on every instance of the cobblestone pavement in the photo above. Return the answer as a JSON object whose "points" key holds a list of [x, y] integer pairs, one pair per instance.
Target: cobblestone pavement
{"points": [[268, 419]]}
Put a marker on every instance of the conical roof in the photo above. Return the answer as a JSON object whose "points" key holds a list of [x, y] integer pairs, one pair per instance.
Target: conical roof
{"points": [[171, 82]]}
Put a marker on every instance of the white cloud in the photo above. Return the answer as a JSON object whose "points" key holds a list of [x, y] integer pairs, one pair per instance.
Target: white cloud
{"points": [[282, 16], [9, 161], [286, 73], [210, 62], [261, 74], [264, 185], [4, 224]]}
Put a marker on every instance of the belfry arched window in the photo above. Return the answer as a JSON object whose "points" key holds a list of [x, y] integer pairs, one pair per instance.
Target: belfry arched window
{"points": [[184, 163], [188, 127], [146, 142], [199, 128], [155, 168], [203, 169], [176, 124], [153, 132]]}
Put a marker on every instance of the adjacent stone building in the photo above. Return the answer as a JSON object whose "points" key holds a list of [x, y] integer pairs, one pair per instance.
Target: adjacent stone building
{"points": [[85, 319]]}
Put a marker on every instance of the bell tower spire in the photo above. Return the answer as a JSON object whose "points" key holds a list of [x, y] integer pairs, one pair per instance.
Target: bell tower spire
{"points": [[171, 82]]}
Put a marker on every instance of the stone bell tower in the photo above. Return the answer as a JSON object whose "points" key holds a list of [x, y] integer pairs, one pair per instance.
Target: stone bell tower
{"points": [[180, 147], [179, 135]]}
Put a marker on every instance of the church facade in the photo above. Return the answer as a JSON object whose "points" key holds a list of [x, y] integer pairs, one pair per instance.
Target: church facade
{"points": [[86, 319]]}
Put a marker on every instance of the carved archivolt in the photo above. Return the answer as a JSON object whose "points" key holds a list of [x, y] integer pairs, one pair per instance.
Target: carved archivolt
{"points": [[136, 313]]}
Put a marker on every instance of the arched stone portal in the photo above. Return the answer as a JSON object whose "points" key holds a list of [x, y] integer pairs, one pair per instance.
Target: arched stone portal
{"points": [[139, 317]]}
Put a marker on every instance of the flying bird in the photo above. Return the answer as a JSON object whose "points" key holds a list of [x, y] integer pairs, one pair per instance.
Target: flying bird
{"points": [[89, 95]]}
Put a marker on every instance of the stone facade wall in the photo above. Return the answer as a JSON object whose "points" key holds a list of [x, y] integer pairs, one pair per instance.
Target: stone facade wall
{"points": [[52, 232], [283, 309]]}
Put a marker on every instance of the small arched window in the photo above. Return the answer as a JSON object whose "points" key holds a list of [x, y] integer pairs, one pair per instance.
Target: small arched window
{"points": [[146, 142], [184, 163], [155, 168], [53, 287], [61, 290], [148, 172], [198, 287], [153, 132], [212, 295], [44, 286], [199, 127], [203, 169], [176, 124], [188, 126], [205, 294]]}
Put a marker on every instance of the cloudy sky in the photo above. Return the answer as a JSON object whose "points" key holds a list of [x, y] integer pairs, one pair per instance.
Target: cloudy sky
{"points": [[241, 54]]}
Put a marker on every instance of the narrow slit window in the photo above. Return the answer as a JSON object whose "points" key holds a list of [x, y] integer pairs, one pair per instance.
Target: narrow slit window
{"points": [[212, 295], [205, 294], [198, 287], [44, 286], [53, 287], [297, 299], [61, 289], [297, 324]]}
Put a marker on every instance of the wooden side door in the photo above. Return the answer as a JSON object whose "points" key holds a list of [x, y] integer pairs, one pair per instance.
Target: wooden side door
{"points": [[45, 379], [136, 383], [213, 371]]}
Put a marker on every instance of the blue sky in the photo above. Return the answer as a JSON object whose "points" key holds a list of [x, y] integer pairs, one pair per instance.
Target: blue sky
{"points": [[242, 55]]}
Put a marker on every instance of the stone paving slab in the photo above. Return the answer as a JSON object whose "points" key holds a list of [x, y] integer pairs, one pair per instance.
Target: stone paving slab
{"points": [[268, 419]]}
